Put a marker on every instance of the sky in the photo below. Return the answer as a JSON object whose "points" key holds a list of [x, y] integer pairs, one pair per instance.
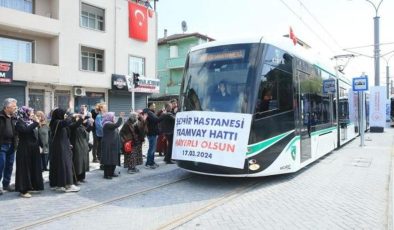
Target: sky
{"points": [[330, 27]]}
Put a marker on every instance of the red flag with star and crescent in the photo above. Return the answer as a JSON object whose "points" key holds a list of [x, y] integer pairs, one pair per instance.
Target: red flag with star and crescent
{"points": [[292, 36], [138, 22]]}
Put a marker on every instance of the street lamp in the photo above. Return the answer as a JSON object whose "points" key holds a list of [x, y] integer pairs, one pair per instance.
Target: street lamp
{"points": [[387, 60], [376, 42]]}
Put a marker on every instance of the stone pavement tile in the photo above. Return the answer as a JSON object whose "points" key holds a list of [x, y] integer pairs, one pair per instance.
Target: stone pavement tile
{"points": [[152, 209], [97, 190], [330, 194]]}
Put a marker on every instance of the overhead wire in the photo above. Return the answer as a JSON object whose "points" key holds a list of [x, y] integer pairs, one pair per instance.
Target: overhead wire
{"points": [[308, 26], [320, 24]]}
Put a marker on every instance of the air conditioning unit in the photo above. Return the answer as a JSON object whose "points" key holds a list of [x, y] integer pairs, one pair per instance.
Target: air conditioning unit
{"points": [[79, 91]]}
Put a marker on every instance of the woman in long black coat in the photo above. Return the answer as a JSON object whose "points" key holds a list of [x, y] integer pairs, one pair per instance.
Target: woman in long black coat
{"points": [[61, 165], [110, 145], [28, 160], [79, 139]]}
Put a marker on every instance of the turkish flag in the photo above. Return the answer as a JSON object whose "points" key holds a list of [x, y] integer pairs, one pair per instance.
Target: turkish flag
{"points": [[138, 22], [150, 13], [292, 36]]}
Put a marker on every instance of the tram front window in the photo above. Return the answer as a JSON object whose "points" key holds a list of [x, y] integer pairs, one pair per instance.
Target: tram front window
{"points": [[217, 78]]}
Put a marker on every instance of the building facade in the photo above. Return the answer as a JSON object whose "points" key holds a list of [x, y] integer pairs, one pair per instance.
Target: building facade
{"points": [[66, 53], [172, 51]]}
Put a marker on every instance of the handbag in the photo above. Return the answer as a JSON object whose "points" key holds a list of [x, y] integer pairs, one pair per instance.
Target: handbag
{"points": [[128, 146]]}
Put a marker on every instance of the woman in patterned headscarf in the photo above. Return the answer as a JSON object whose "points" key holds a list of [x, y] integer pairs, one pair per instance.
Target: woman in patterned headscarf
{"points": [[28, 176], [110, 144], [133, 130], [128, 133]]}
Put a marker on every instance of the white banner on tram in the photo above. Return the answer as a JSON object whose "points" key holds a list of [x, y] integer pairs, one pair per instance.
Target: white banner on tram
{"points": [[212, 137]]}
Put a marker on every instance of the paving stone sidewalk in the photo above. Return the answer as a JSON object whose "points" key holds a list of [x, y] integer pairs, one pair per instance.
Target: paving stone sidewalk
{"points": [[348, 189]]}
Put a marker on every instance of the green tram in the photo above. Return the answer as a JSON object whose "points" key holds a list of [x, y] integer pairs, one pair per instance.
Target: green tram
{"points": [[300, 109]]}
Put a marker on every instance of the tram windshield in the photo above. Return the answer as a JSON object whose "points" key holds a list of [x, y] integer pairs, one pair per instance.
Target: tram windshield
{"points": [[217, 78]]}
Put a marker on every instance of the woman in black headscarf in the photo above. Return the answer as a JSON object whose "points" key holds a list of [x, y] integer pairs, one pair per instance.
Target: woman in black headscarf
{"points": [[28, 176], [61, 165], [79, 138]]}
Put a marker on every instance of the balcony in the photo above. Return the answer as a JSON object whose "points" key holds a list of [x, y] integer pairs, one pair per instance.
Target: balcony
{"points": [[38, 73], [176, 63], [30, 24]]}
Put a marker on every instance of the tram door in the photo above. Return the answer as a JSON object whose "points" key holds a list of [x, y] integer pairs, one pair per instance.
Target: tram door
{"points": [[304, 114]]}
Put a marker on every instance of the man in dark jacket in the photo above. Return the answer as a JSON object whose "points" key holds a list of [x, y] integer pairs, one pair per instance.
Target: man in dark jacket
{"points": [[8, 141], [153, 131], [167, 122]]}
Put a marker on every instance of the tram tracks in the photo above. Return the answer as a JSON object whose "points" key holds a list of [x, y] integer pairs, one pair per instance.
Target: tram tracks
{"points": [[190, 215], [175, 221], [59, 216]]}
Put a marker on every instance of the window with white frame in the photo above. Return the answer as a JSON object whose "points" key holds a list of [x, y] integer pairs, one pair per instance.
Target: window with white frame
{"points": [[136, 65], [21, 5], [92, 17], [15, 50], [92, 59]]}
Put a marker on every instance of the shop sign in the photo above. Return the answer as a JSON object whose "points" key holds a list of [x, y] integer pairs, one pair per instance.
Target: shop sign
{"points": [[119, 82], [6, 72], [145, 85]]}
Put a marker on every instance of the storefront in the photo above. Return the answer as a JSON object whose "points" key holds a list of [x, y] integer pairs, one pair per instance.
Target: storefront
{"points": [[46, 97], [90, 99], [120, 98]]}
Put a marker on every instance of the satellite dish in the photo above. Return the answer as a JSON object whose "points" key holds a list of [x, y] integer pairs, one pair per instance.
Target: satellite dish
{"points": [[184, 26]]}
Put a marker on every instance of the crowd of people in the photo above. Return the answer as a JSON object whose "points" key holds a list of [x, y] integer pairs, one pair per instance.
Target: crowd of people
{"points": [[62, 146]]}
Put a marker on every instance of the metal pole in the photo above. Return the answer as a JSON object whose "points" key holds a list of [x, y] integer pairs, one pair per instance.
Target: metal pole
{"points": [[132, 98], [132, 101], [376, 50], [392, 87], [132, 95], [387, 81], [361, 116]]}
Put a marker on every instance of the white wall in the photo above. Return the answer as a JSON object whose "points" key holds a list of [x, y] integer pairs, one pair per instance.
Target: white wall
{"points": [[18, 21], [55, 9], [43, 8], [73, 36], [54, 49], [43, 51]]}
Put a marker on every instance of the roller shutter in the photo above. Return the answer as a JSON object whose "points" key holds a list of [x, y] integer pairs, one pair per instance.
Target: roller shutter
{"points": [[121, 102], [15, 90]]}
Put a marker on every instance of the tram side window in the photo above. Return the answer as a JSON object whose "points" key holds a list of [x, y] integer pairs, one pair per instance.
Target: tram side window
{"points": [[320, 109], [275, 93], [316, 105], [343, 106]]}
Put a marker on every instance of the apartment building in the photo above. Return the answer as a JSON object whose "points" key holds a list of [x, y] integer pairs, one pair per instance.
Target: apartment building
{"points": [[63, 53]]}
